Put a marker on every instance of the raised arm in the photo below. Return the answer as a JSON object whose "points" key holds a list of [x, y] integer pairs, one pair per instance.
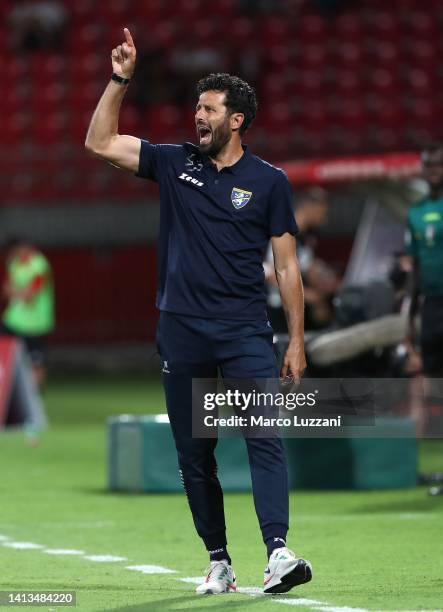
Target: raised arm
{"points": [[103, 139]]}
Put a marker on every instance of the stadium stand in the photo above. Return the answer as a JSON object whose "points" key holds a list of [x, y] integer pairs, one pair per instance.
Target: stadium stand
{"points": [[366, 80]]}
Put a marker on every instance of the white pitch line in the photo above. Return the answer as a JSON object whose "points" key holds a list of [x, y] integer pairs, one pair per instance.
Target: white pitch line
{"points": [[193, 579], [63, 551], [394, 516], [151, 569], [314, 604], [22, 545], [104, 558], [318, 605], [415, 516], [252, 591], [301, 602], [328, 608], [199, 579]]}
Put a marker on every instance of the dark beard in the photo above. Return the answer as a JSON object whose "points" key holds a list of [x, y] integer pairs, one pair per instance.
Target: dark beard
{"points": [[220, 138]]}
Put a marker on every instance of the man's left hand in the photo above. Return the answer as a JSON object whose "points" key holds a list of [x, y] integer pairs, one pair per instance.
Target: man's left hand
{"points": [[294, 363]]}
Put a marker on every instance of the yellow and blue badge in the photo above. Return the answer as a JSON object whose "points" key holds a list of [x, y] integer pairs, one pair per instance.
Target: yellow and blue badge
{"points": [[240, 197]]}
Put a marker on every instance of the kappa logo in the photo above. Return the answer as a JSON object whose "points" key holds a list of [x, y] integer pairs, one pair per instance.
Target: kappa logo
{"points": [[240, 197], [165, 368], [190, 179]]}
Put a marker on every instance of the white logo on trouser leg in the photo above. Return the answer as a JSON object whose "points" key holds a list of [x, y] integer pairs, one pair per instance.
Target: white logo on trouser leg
{"points": [[165, 368]]}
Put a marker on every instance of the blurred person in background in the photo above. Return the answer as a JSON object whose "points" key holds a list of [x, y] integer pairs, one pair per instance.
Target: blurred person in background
{"points": [[29, 292], [424, 243], [188, 62], [38, 24], [152, 79], [320, 281], [220, 205]]}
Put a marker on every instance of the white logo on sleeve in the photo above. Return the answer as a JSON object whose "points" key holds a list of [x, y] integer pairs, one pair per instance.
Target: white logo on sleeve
{"points": [[192, 164], [165, 368], [190, 179]]}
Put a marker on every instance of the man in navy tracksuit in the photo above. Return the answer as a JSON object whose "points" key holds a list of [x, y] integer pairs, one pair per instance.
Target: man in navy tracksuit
{"points": [[220, 205]]}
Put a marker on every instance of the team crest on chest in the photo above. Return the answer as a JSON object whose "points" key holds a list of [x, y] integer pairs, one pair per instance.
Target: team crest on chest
{"points": [[240, 197]]}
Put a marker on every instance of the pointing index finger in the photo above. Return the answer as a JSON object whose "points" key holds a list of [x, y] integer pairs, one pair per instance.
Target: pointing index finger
{"points": [[128, 37]]}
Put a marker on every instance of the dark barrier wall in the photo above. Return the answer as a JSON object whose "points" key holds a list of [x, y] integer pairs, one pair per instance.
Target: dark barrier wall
{"points": [[104, 294], [107, 294]]}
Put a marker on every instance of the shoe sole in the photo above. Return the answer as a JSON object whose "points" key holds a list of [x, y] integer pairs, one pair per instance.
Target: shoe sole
{"points": [[301, 574]]}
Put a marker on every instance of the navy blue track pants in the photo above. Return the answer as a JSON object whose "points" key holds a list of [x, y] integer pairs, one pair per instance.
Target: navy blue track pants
{"points": [[193, 347]]}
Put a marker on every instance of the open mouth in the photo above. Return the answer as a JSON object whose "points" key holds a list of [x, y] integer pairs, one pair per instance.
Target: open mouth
{"points": [[204, 134]]}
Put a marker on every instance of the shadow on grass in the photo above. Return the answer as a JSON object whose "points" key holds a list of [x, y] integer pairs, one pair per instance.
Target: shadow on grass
{"points": [[426, 504], [108, 493], [197, 602], [80, 589]]}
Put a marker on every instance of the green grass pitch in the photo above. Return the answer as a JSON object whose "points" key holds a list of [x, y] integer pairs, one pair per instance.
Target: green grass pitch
{"points": [[369, 550]]}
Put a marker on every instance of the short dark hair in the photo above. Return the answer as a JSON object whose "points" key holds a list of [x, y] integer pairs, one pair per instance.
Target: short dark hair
{"points": [[315, 195], [240, 96], [12, 242]]}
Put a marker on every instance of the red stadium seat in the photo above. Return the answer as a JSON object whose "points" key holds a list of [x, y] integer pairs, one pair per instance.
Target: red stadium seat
{"points": [[313, 114], [275, 30], [49, 128], [385, 55], [88, 37], [311, 28], [16, 129], [242, 29], [205, 31], [273, 87], [344, 141], [385, 26], [347, 55], [312, 57], [48, 99], [422, 112], [85, 96], [423, 25], [89, 66], [347, 83], [16, 68], [423, 54], [383, 82], [161, 121], [82, 11], [349, 28], [310, 84], [420, 83]]}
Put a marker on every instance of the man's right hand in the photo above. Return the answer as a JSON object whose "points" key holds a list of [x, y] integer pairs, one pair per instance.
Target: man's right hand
{"points": [[123, 57], [103, 139]]}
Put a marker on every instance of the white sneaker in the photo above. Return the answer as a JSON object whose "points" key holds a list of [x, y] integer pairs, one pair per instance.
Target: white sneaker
{"points": [[220, 579], [285, 571]]}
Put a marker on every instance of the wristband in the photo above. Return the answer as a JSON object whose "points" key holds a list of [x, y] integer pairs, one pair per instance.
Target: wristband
{"points": [[119, 79]]}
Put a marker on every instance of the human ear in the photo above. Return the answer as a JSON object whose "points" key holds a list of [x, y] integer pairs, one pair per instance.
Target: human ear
{"points": [[236, 121]]}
